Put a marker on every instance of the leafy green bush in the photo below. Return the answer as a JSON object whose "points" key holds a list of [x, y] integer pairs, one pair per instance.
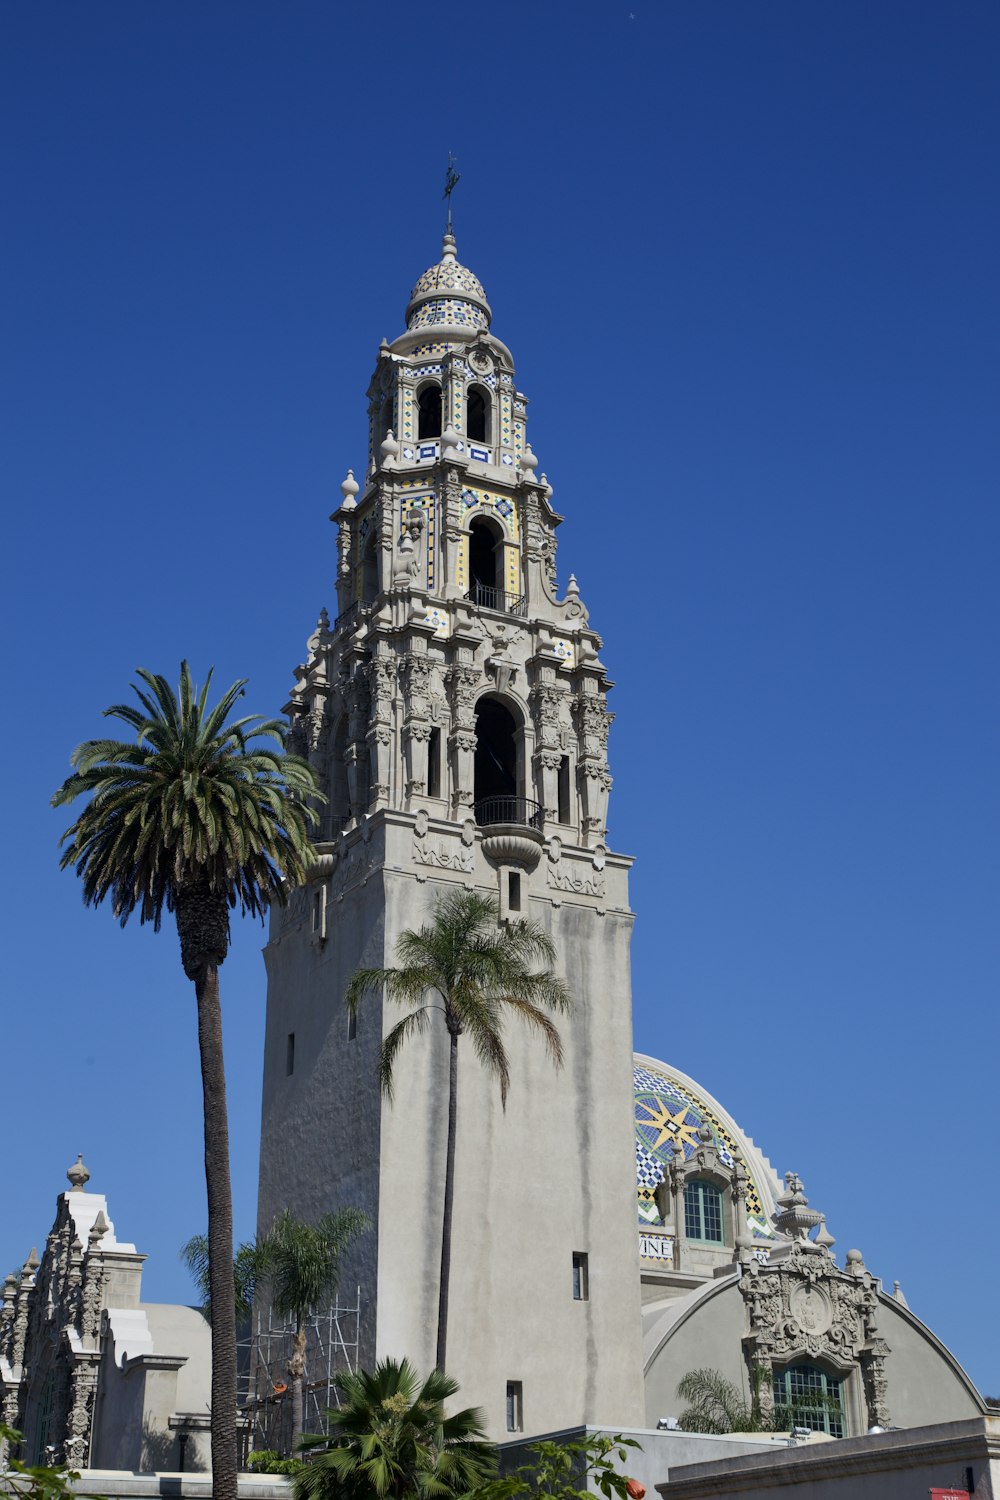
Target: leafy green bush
{"points": [[266, 1461], [562, 1471]]}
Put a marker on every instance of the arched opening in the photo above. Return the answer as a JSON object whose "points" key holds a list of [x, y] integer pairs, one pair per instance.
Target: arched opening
{"points": [[495, 769], [485, 552], [369, 572], [386, 418], [477, 418], [429, 412], [338, 812], [703, 1211]]}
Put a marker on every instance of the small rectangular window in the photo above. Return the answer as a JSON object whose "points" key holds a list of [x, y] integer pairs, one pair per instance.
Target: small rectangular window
{"points": [[290, 1055], [515, 1407], [563, 790], [581, 1276], [352, 1025], [317, 918], [513, 891], [434, 764]]}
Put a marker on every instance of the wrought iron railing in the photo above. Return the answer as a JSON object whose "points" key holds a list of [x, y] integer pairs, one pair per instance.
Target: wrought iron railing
{"points": [[490, 810], [347, 616], [499, 599]]}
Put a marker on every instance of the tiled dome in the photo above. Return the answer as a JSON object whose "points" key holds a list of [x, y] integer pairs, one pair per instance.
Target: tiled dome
{"points": [[669, 1108], [448, 293]]}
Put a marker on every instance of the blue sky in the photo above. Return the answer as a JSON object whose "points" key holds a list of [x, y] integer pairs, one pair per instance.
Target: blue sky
{"points": [[745, 256]]}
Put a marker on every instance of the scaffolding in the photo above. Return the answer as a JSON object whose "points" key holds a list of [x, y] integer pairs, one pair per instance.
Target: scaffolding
{"points": [[265, 1407]]}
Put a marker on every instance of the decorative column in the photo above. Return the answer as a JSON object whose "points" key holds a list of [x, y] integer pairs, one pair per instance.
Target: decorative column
{"points": [[463, 681], [593, 778], [416, 674], [381, 672]]}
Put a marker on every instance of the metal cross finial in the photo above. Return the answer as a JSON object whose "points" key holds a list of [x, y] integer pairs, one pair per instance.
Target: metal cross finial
{"points": [[450, 184]]}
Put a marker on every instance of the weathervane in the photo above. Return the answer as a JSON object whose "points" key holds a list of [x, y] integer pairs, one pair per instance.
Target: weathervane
{"points": [[450, 184]]}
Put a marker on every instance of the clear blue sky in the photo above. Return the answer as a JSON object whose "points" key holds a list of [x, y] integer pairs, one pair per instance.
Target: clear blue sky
{"points": [[746, 258]]}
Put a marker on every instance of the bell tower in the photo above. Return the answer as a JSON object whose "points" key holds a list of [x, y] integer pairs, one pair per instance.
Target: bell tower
{"points": [[455, 709]]}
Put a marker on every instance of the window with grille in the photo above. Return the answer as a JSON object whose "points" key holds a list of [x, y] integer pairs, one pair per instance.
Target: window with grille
{"points": [[515, 1407], [703, 1211], [811, 1398]]}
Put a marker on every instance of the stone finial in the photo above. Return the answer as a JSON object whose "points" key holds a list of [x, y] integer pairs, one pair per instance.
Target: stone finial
{"points": [[543, 481], [385, 342], [323, 623], [449, 440], [78, 1175], [529, 463], [99, 1228], [389, 450], [898, 1295], [824, 1237], [32, 1263], [448, 247], [854, 1263], [9, 1289], [349, 488]]}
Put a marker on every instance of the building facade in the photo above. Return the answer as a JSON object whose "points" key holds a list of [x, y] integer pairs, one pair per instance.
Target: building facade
{"points": [[89, 1373]]}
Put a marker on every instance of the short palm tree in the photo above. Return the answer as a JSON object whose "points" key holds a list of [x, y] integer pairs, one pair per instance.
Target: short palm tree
{"points": [[301, 1263], [391, 1439], [194, 815], [480, 971]]}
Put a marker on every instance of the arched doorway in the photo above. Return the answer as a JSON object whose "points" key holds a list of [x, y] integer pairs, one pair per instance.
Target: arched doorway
{"points": [[496, 782], [485, 559]]}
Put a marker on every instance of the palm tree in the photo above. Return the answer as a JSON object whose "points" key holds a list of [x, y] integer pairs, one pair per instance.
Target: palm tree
{"points": [[390, 1438], [479, 970], [302, 1265], [196, 817], [247, 1265], [718, 1405]]}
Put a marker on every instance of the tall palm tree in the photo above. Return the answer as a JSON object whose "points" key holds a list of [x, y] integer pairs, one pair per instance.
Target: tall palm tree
{"points": [[391, 1439], [480, 971], [301, 1263], [195, 816]]}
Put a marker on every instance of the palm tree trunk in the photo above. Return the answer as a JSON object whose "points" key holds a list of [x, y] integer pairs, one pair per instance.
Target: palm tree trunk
{"points": [[449, 1202], [220, 1235], [297, 1375]]}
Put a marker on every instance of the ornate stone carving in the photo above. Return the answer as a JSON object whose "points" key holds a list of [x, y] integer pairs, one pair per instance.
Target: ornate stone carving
{"points": [[801, 1306], [444, 856], [565, 878]]}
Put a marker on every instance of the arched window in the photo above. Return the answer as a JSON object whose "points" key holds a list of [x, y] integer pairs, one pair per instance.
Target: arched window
{"points": [[485, 552], [429, 412], [703, 1211], [808, 1397], [477, 418]]}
